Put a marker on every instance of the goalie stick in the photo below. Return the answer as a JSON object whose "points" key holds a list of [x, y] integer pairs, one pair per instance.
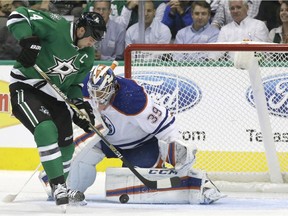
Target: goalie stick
{"points": [[157, 184], [11, 197]]}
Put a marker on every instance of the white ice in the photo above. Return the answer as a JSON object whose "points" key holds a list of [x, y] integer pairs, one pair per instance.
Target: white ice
{"points": [[32, 201]]}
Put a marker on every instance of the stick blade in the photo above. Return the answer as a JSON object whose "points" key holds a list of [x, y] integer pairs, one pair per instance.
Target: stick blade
{"points": [[9, 198]]}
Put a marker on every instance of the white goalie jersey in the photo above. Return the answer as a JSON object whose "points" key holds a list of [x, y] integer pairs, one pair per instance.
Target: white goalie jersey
{"points": [[133, 117]]}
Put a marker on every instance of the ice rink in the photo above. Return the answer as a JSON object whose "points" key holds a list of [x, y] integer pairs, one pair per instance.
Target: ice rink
{"points": [[32, 201]]}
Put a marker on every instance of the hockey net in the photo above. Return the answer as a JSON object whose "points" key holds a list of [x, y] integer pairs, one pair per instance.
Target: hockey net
{"points": [[215, 104]]}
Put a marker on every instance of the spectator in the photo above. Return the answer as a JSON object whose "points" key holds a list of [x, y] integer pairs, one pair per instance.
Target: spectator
{"points": [[268, 13], [9, 46], [223, 15], [39, 5], [280, 34], [214, 4], [199, 32], [155, 31], [62, 7], [2, 14], [113, 45], [7, 6], [242, 28], [122, 11], [126, 12], [177, 15]]}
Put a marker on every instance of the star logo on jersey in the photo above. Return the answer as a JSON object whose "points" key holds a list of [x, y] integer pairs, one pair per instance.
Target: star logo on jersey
{"points": [[63, 68]]}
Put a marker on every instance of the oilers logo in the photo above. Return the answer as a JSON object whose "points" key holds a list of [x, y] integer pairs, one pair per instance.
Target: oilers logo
{"points": [[176, 93], [276, 92], [108, 124]]}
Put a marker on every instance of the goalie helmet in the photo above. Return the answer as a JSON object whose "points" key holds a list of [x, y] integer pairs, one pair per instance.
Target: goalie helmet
{"points": [[102, 84], [94, 25]]}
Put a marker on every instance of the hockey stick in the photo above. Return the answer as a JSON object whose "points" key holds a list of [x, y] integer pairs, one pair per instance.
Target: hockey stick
{"points": [[162, 183], [11, 197]]}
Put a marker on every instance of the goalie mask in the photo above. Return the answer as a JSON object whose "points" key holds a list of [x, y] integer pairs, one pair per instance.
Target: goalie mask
{"points": [[102, 84]]}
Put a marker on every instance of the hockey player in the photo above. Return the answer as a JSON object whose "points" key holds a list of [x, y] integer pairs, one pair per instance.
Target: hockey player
{"points": [[145, 134], [65, 52]]}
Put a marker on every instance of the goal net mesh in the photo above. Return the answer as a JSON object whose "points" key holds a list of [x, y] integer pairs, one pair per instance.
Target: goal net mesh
{"points": [[214, 104]]}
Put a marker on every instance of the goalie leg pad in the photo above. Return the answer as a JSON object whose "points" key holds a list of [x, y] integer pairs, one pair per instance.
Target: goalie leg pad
{"points": [[83, 171], [86, 155], [43, 177], [121, 181], [193, 188]]}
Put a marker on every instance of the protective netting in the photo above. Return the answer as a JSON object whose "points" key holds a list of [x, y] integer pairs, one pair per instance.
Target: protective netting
{"points": [[215, 106]]}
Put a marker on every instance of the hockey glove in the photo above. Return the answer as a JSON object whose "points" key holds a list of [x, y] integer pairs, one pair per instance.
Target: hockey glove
{"points": [[83, 120], [30, 48]]}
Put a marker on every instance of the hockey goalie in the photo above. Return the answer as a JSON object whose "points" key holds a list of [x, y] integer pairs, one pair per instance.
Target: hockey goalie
{"points": [[144, 133]]}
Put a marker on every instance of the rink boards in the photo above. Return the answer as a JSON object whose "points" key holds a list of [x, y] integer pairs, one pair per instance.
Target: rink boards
{"points": [[18, 152]]}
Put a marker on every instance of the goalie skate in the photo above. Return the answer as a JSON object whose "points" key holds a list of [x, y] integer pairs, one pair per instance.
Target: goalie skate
{"points": [[46, 185], [211, 195], [76, 197]]}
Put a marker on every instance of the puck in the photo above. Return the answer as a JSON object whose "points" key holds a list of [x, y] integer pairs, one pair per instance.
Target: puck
{"points": [[124, 198]]}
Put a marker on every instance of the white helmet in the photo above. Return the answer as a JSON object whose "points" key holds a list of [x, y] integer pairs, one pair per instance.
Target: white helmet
{"points": [[101, 84]]}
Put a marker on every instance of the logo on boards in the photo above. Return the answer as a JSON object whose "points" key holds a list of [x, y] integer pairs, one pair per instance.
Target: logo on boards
{"points": [[174, 92], [7, 119], [276, 92]]}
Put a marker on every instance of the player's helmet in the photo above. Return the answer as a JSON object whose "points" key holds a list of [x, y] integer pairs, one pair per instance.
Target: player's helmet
{"points": [[102, 84], [93, 23]]}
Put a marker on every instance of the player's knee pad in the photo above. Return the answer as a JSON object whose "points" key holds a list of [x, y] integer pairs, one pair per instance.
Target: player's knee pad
{"points": [[83, 169], [178, 153], [207, 193]]}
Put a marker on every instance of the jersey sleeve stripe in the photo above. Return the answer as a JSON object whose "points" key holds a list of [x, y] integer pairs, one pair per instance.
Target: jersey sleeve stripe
{"points": [[166, 126], [16, 17]]}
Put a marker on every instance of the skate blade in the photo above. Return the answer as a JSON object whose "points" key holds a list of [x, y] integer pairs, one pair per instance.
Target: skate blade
{"points": [[63, 208], [80, 203]]}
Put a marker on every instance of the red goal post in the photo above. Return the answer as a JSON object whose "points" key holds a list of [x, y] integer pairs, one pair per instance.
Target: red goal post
{"points": [[241, 136]]}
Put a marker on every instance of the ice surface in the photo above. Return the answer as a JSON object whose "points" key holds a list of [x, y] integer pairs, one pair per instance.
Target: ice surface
{"points": [[32, 201]]}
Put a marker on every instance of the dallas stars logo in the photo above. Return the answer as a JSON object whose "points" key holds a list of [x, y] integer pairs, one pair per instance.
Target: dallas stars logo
{"points": [[63, 68]]}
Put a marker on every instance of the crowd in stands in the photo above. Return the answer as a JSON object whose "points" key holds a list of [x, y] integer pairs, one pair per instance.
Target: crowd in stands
{"points": [[166, 21]]}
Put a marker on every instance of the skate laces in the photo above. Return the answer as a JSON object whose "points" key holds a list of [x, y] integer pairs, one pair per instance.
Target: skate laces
{"points": [[60, 191]]}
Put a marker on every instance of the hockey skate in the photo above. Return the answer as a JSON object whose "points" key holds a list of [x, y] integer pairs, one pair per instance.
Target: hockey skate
{"points": [[60, 194], [211, 195], [76, 197]]}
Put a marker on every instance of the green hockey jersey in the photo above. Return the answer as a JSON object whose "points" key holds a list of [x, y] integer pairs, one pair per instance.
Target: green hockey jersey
{"points": [[60, 58]]}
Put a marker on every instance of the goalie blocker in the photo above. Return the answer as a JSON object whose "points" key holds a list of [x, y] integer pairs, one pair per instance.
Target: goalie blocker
{"points": [[195, 188]]}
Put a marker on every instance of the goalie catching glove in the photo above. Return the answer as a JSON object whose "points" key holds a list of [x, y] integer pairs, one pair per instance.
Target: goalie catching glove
{"points": [[83, 121], [180, 154], [30, 49]]}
